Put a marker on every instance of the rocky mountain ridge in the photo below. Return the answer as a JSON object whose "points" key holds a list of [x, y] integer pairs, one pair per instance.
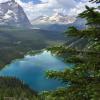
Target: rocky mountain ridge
{"points": [[12, 14]]}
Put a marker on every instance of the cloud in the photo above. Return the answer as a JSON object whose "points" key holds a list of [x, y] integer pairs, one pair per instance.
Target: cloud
{"points": [[49, 7], [3, 1], [80, 7]]}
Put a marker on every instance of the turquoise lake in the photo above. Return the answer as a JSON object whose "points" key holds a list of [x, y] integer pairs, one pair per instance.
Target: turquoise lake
{"points": [[31, 70]]}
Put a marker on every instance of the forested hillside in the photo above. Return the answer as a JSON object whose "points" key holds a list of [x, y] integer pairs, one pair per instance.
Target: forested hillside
{"points": [[16, 42], [13, 89]]}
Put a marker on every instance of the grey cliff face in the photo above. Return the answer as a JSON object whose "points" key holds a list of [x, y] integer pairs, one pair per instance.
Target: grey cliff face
{"points": [[11, 13]]}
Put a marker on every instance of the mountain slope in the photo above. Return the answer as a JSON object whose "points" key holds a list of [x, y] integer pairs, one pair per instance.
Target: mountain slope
{"points": [[12, 14], [16, 42], [13, 89]]}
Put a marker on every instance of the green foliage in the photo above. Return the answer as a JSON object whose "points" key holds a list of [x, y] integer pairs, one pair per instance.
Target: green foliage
{"points": [[97, 1], [83, 80], [12, 88], [72, 31], [92, 16]]}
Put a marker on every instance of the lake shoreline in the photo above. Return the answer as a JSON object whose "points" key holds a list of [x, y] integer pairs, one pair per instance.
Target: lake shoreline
{"points": [[35, 65]]}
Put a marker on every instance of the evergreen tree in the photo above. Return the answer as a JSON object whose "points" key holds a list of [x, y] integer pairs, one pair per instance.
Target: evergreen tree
{"points": [[83, 79], [97, 1]]}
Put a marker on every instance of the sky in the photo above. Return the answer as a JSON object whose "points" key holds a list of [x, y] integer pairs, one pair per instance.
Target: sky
{"points": [[35, 8]]}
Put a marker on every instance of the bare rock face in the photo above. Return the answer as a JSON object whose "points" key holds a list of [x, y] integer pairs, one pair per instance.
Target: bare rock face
{"points": [[12, 14]]}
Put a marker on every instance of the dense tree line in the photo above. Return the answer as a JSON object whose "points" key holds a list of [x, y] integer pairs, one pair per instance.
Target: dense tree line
{"points": [[13, 89]]}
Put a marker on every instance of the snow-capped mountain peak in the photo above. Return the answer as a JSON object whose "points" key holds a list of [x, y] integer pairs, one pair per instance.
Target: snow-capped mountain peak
{"points": [[12, 14], [57, 18]]}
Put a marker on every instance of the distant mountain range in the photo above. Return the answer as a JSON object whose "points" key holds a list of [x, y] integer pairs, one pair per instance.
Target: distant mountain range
{"points": [[57, 18], [79, 23], [58, 22], [12, 14]]}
